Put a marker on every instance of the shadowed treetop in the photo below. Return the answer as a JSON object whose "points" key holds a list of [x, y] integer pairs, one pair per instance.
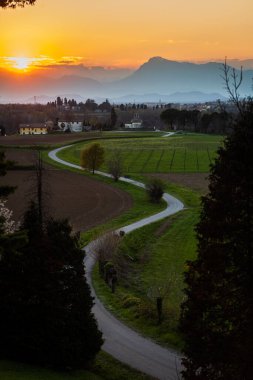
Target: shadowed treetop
{"points": [[15, 3]]}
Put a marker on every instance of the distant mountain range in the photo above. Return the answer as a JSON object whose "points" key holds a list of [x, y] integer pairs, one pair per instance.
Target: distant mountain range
{"points": [[158, 79]]}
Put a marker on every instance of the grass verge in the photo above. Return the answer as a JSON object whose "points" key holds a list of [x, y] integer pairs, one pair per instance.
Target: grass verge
{"points": [[104, 368]]}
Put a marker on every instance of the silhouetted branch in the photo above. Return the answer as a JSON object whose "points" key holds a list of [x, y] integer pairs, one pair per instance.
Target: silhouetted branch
{"points": [[233, 80]]}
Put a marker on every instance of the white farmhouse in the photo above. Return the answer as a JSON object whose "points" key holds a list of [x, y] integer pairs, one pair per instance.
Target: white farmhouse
{"points": [[136, 123], [72, 126]]}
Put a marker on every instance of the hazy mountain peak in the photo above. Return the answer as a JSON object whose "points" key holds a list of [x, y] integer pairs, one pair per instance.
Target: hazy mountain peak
{"points": [[157, 59]]}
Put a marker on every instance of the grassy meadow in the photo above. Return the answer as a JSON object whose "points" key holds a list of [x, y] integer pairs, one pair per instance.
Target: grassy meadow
{"points": [[180, 153]]}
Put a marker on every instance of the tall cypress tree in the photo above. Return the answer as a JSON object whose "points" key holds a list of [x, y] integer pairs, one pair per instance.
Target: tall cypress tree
{"points": [[217, 315], [4, 166]]}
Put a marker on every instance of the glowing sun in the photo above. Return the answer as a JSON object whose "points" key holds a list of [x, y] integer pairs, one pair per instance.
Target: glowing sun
{"points": [[21, 63]]}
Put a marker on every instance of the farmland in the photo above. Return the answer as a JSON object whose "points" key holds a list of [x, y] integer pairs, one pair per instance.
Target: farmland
{"points": [[181, 153]]}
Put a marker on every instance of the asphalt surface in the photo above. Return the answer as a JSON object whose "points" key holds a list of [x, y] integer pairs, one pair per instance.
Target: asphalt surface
{"points": [[122, 342]]}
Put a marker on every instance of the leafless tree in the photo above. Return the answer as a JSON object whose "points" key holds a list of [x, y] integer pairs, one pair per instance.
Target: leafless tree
{"points": [[232, 82], [115, 164], [105, 248], [159, 291]]}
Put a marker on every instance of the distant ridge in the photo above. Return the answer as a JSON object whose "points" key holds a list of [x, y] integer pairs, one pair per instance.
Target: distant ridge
{"points": [[177, 97], [165, 76], [164, 79]]}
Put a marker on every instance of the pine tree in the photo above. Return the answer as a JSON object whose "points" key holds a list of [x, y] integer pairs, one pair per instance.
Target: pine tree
{"points": [[217, 314]]}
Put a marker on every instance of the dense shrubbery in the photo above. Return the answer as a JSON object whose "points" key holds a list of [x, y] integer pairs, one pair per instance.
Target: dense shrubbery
{"points": [[155, 189]]}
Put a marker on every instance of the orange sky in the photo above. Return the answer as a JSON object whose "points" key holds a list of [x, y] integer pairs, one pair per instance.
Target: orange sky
{"points": [[126, 33]]}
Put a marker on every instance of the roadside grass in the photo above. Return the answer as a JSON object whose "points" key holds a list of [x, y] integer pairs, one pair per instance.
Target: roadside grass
{"points": [[104, 368], [158, 254], [180, 153]]}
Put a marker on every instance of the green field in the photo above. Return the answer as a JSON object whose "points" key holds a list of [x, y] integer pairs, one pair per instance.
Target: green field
{"points": [[189, 153]]}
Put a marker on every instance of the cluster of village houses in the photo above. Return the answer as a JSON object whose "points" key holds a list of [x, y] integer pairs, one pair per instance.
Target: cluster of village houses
{"points": [[67, 126], [44, 128]]}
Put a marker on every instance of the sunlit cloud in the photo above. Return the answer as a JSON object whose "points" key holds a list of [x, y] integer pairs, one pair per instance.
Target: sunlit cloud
{"points": [[27, 64]]}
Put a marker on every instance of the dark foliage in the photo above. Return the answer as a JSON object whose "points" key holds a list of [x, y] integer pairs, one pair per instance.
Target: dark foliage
{"points": [[194, 121], [155, 189], [217, 315], [92, 157], [4, 166], [15, 3], [45, 302], [114, 117]]}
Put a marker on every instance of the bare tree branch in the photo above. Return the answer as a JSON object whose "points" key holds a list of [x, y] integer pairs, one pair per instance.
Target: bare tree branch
{"points": [[233, 80]]}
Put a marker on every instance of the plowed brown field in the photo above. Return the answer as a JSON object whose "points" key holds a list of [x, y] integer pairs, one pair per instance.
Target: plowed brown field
{"points": [[86, 202], [50, 139]]}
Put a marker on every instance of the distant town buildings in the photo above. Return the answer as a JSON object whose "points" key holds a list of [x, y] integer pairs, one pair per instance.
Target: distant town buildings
{"points": [[33, 129], [136, 123], [70, 126]]}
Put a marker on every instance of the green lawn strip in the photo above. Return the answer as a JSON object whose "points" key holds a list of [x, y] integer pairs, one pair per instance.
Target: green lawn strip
{"points": [[111, 369], [105, 367], [157, 252]]}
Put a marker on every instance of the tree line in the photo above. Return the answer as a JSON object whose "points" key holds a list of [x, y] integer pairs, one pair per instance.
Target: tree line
{"points": [[197, 121]]}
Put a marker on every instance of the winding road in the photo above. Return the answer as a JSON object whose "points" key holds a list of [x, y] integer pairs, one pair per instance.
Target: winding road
{"points": [[122, 342]]}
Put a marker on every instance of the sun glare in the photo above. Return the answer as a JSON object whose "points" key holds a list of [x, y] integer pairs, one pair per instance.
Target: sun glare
{"points": [[21, 63]]}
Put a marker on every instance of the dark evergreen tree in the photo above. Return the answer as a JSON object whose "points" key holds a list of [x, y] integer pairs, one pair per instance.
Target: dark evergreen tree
{"points": [[4, 166], [59, 101], [217, 315], [114, 117], [45, 302]]}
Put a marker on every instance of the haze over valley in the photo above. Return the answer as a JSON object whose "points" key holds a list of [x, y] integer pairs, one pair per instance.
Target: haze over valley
{"points": [[158, 79]]}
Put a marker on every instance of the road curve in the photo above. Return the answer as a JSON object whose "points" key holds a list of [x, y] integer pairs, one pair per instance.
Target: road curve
{"points": [[120, 341]]}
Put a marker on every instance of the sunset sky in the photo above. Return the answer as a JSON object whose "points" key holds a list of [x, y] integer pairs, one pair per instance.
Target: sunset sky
{"points": [[124, 33]]}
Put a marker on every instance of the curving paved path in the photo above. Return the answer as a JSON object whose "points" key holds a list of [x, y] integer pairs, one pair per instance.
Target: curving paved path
{"points": [[120, 341]]}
